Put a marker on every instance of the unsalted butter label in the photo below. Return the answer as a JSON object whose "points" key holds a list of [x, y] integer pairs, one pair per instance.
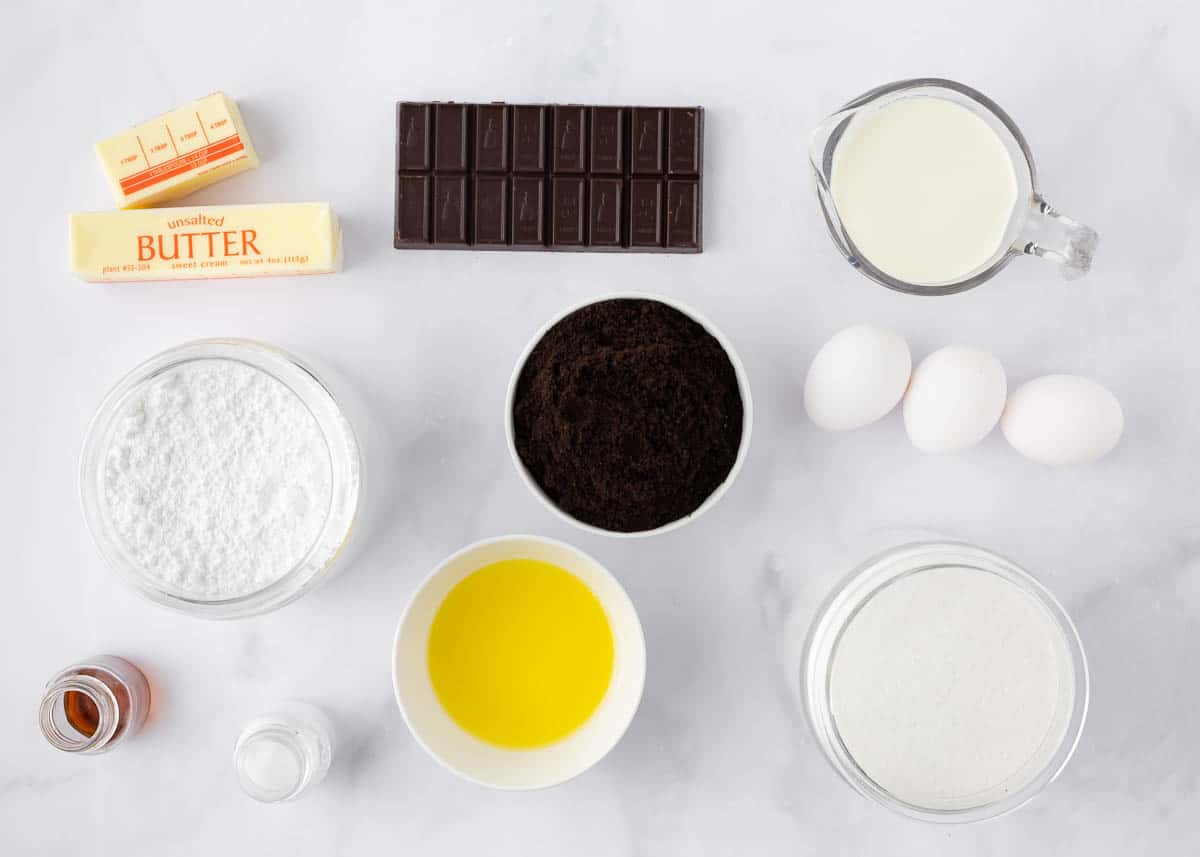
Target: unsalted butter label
{"points": [[177, 153], [205, 242]]}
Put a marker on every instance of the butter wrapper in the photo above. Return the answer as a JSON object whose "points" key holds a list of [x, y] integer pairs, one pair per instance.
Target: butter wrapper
{"points": [[205, 242], [179, 152]]}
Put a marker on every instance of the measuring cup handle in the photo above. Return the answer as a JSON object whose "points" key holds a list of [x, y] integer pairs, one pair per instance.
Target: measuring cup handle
{"points": [[1050, 234]]}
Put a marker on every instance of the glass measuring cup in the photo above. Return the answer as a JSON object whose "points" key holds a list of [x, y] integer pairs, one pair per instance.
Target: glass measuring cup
{"points": [[1035, 228]]}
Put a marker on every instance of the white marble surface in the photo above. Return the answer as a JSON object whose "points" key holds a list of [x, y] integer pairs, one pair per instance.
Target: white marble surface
{"points": [[719, 760]]}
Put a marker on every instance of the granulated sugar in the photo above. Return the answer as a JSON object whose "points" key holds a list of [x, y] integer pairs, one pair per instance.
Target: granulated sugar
{"points": [[951, 688], [217, 479]]}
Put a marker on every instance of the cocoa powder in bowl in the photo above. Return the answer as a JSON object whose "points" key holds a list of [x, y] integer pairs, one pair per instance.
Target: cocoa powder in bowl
{"points": [[627, 414]]}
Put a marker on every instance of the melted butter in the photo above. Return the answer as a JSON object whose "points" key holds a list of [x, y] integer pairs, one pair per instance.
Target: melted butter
{"points": [[520, 653]]}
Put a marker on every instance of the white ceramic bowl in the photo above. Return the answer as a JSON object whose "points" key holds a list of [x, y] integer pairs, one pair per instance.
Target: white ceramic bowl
{"points": [[498, 767], [743, 382]]}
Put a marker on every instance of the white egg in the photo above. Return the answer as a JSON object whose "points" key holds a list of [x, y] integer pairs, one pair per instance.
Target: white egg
{"points": [[857, 377], [955, 398], [1062, 419]]}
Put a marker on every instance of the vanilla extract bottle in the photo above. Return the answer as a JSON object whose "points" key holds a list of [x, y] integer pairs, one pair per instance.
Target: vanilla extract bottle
{"points": [[92, 706]]}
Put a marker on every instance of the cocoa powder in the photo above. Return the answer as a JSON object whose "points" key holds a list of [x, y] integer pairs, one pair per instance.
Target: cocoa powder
{"points": [[627, 414]]}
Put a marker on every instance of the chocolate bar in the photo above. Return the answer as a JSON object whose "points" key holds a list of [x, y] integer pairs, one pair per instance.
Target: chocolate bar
{"points": [[549, 177]]}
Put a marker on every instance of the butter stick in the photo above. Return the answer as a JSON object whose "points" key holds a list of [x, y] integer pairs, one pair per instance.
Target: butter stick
{"points": [[203, 242], [179, 152]]}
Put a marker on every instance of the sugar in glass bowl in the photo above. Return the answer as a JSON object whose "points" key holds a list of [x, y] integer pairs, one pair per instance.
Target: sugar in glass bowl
{"points": [[281, 386], [945, 683]]}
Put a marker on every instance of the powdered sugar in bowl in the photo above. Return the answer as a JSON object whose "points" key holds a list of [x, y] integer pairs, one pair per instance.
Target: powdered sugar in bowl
{"points": [[221, 478]]}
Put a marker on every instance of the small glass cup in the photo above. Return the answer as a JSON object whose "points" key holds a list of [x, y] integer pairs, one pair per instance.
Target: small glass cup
{"points": [[1035, 228], [92, 706], [283, 753], [852, 595]]}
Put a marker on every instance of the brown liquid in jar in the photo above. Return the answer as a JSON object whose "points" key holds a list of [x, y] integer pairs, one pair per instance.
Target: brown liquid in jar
{"points": [[81, 712], [90, 714], [89, 706]]}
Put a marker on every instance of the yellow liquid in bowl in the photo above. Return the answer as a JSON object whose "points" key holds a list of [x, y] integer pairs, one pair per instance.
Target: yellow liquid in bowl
{"points": [[520, 653]]}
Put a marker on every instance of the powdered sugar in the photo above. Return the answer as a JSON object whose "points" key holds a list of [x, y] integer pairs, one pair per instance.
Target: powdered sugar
{"points": [[217, 479]]}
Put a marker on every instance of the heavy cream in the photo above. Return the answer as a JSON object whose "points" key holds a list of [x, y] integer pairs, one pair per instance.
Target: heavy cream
{"points": [[925, 188]]}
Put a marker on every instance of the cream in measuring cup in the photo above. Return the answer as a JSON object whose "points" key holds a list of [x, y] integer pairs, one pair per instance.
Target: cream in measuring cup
{"points": [[928, 187]]}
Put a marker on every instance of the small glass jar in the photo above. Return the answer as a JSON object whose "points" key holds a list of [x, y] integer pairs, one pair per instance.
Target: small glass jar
{"points": [[283, 753], [345, 462], [92, 706], [849, 600]]}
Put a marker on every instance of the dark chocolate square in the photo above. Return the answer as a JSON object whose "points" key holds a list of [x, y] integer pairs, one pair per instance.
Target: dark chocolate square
{"points": [[412, 136], [606, 132], [683, 213], [528, 209], [604, 221], [683, 146], [647, 141], [491, 210], [450, 210], [451, 154], [569, 212], [645, 213], [570, 142], [412, 210], [529, 138], [491, 138]]}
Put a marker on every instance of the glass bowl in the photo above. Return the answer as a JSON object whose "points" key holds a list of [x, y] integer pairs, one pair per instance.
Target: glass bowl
{"points": [[345, 478], [852, 595]]}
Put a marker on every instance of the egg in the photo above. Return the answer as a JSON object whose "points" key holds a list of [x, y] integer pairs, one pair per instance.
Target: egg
{"points": [[955, 398], [1062, 419], [857, 377]]}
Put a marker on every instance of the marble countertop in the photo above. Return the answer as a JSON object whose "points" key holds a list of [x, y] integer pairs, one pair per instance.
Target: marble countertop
{"points": [[719, 760]]}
